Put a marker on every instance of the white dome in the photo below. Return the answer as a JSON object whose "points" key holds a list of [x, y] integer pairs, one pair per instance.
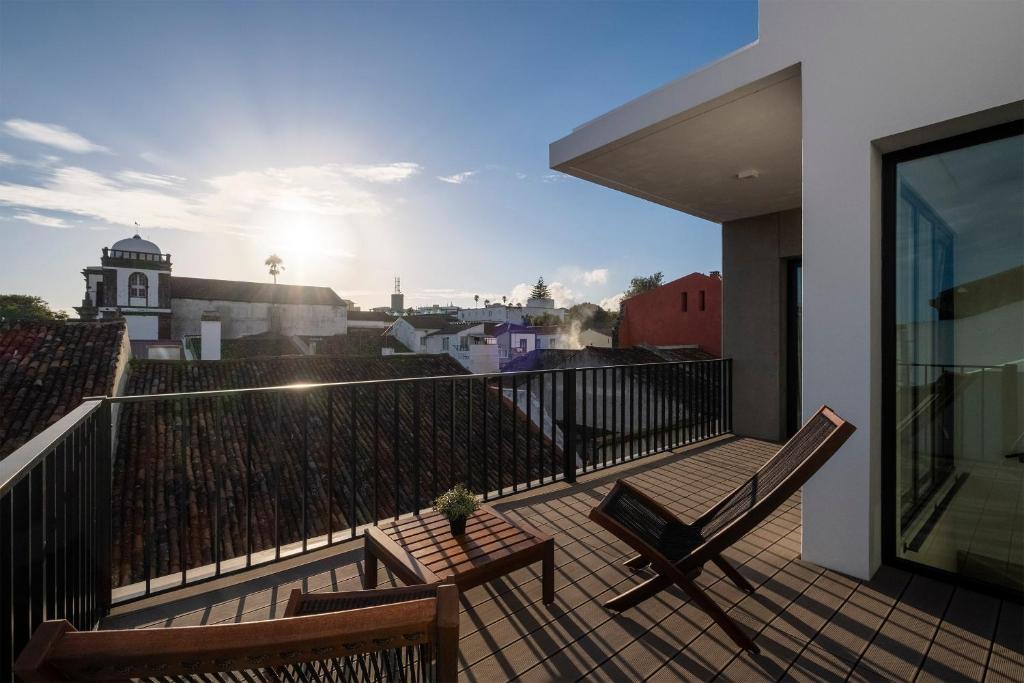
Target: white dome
{"points": [[136, 243]]}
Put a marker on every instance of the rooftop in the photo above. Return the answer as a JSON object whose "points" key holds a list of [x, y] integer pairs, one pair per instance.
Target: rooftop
{"points": [[47, 368], [209, 289], [811, 623]]}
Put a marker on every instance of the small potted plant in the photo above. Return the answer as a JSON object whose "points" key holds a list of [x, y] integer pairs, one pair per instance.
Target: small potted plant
{"points": [[456, 504]]}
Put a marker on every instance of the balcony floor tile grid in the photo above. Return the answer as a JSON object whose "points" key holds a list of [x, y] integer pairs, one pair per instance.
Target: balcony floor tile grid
{"points": [[811, 623]]}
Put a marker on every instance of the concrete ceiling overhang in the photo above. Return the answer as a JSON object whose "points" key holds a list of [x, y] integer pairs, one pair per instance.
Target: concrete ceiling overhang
{"points": [[690, 161]]}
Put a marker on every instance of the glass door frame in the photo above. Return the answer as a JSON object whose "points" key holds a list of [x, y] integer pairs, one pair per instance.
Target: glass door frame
{"points": [[890, 495]]}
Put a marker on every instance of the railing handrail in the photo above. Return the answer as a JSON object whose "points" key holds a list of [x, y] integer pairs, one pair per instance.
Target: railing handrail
{"points": [[392, 380], [16, 465]]}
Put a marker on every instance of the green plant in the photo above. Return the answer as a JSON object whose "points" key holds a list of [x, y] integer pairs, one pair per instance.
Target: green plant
{"points": [[455, 503]]}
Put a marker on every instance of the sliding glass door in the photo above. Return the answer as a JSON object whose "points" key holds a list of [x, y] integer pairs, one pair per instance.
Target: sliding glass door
{"points": [[955, 367]]}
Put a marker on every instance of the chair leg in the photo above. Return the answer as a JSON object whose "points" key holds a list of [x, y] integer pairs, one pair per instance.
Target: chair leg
{"points": [[638, 562], [634, 596], [731, 628], [731, 572]]}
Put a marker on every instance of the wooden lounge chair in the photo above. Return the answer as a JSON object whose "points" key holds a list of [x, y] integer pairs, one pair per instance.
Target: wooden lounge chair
{"points": [[678, 551], [395, 634]]}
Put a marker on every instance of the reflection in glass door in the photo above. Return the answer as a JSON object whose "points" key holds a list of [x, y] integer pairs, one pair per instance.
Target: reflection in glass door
{"points": [[957, 486]]}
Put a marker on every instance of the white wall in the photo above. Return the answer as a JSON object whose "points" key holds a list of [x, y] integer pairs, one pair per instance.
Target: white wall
{"points": [[142, 327], [240, 319], [872, 73]]}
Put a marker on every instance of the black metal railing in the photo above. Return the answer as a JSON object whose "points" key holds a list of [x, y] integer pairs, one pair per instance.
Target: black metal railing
{"points": [[212, 482], [55, 528]]}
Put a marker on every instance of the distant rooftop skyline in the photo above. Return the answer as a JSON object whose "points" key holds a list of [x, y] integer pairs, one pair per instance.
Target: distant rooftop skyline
{"points": [[358, 141]]}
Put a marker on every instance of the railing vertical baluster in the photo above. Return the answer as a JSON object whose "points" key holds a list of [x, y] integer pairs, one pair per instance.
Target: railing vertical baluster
{"points": [[451, 438], [569, 424], [484, 446], [277, 457], [105, 495], [593, 418], [621, 429], [218, 425], [21, 554], [540, 433], [469, 433], [704, 400], [729, 404], [515, 434], [353, 454], [529, 428], [606, 400], [305, 470], [36, 560], [583, 417], [416, 452], [555, 465], [499, 441], [396, 447], [50, 494], [330, 466], [376, 453], [248, 479], [433, 437], [182, 497], [651, 406], [148, 529]]}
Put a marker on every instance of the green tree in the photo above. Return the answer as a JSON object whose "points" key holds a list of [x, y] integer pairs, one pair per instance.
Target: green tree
{"points": [[540, 290], [476, 299], [27, 307], [641, 284], [275, 264]]}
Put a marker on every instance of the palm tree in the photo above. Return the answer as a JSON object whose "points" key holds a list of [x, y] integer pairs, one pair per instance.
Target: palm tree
{"points": [[487, 302], [476, 299], [504, 300], [276, 264]]}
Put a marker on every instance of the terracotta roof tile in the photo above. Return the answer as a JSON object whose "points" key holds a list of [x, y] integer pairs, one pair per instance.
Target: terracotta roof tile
{"points": [[182, 466], [47, 368]]}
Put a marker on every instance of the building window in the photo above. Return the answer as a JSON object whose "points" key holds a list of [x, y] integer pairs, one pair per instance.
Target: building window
{"points": [[138, 289], [685, 304], [702, 299], [444, 343]]}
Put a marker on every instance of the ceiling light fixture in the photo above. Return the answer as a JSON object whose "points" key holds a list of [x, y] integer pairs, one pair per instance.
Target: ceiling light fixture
{"points": [[749, 173]]}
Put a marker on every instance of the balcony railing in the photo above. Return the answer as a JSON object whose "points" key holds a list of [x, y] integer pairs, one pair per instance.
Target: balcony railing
{"points": [[129, 496]]}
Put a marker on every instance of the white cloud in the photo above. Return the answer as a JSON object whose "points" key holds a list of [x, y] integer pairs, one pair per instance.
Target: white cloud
{"points": [[6, 159], [555, 177], [155, 179], [384, 173], [52, 135], [520, 175], [244, 202], [612, 303], [152, 157], [457, 178], [597, 276], [40, 219]]}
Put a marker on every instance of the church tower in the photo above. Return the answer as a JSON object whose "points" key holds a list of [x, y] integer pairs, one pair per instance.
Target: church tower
{"points": [[133, 280]]}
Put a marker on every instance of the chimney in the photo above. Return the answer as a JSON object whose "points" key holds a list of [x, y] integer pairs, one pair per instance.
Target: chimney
{"points": [[209, 335], [717, 274]]}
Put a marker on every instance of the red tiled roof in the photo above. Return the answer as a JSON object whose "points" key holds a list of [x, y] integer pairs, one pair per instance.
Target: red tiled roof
{"points": [[251, 292], [358, 344], [258, 346], [47, 368], [164, 483]]}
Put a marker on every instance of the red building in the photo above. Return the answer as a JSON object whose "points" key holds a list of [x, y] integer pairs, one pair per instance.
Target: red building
{"points": [[684, 311]]}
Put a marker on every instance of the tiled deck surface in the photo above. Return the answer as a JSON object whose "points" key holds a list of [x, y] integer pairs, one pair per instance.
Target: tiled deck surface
{"points": [[811, 624]]}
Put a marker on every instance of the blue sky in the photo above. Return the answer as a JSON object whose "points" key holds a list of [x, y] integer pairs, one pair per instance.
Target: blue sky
{"points": [[358, 140]]}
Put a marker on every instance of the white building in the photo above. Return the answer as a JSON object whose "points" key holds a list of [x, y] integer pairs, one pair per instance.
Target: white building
{"points": [[134, 280], [865, 160], [472, 344], [507, 313]]}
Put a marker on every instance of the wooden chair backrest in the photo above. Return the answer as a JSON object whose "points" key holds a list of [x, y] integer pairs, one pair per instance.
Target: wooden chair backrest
{"points": [[324, 646], [738, 513]]}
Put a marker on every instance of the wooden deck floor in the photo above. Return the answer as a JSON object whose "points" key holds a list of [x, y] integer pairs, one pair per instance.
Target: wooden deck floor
{"points": [[811, 623]]}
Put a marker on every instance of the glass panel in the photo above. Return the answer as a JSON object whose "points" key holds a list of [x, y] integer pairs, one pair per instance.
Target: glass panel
{"points": [[960, 361]]}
